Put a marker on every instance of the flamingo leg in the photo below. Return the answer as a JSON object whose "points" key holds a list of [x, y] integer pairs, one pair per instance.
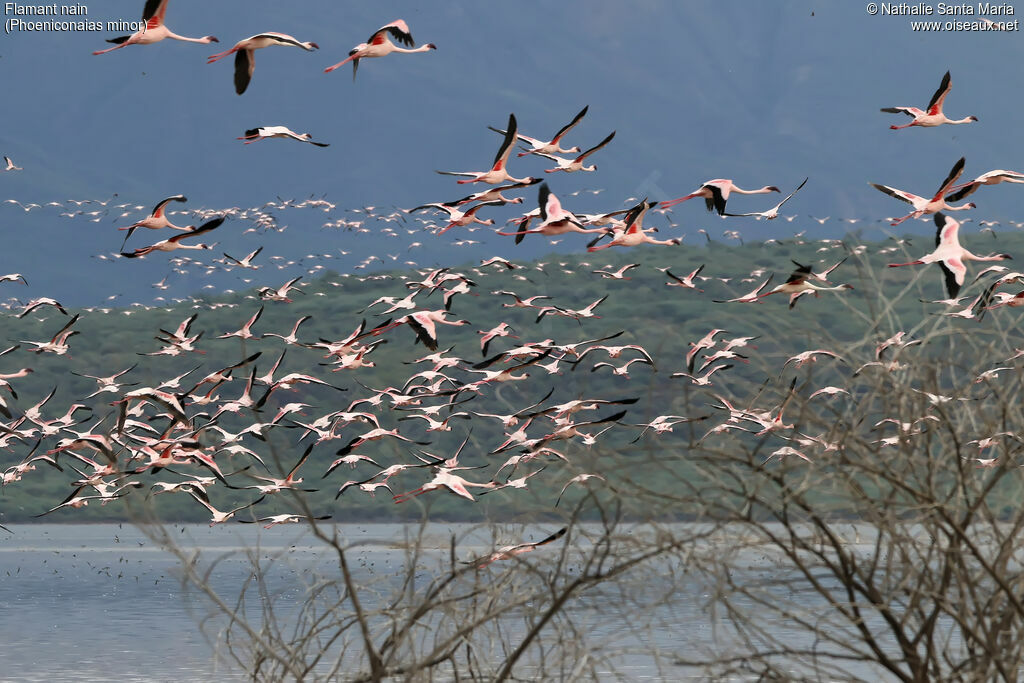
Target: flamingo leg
{"points": [[111, 49], [339, 64]]}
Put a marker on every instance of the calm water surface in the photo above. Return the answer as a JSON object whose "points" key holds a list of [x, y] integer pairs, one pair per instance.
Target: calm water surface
{"points": [[92, 602]]}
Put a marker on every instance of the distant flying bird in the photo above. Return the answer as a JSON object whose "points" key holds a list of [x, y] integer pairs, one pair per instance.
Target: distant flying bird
{"points": [[379, 45], [799, 283], [254, 134], [11, 166], [244, 60], [246, 261], [687, 281], [716, 194], [932, 116], [155, 30], [578, 479], [924, 206], [552, 146], [42, 301], [174, 243], [509, 551], [950, 255]]}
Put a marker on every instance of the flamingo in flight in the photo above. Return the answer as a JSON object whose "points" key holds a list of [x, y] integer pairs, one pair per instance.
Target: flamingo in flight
{"points": [[244, 49], [494, 194], [155, 30], [254, 134], [932, 116], [950, 255], [552, 146], [773, 212], [633, 234], [554, 219], [157, 218], [716, 194], [457, 217], [990, 178], [923, 205], [799, 283], [497, 173], [379, 45], [10, 165], [174, 243], [509, 551], [573, 165]]}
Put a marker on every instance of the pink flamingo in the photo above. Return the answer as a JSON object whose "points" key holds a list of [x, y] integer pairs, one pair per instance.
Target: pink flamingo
{"points": [[155, 30], [932, 116], [379, 45], [950, 255]]}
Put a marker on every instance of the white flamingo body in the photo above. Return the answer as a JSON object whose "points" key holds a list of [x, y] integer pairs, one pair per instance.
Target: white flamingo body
{"points": [[254, 134]]}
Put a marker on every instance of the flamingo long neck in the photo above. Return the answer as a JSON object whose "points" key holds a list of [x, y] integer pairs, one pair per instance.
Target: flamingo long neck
{"points": [[175, 36], [739, 190], [421, 48], [966, 119], [968, 256]]}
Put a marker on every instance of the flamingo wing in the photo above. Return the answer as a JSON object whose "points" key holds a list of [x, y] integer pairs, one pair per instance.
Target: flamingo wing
{"points": [[153, 13], [158, 210], [567, 127], [398, 29], [244, 64], [935, 104], [953, 278], [596, 147], [896, 194], [954, 175], [909, 111], [205, 227], [506, 145]]}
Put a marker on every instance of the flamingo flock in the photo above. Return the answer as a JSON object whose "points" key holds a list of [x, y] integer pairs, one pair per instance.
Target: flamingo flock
{"points": [[207, 438]]}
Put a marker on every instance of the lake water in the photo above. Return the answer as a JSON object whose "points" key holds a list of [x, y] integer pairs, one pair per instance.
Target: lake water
{"points": [[92, 602]]}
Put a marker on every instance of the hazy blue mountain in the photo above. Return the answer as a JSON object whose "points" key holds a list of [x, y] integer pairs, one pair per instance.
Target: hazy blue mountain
{"points": [[763, 93]]}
